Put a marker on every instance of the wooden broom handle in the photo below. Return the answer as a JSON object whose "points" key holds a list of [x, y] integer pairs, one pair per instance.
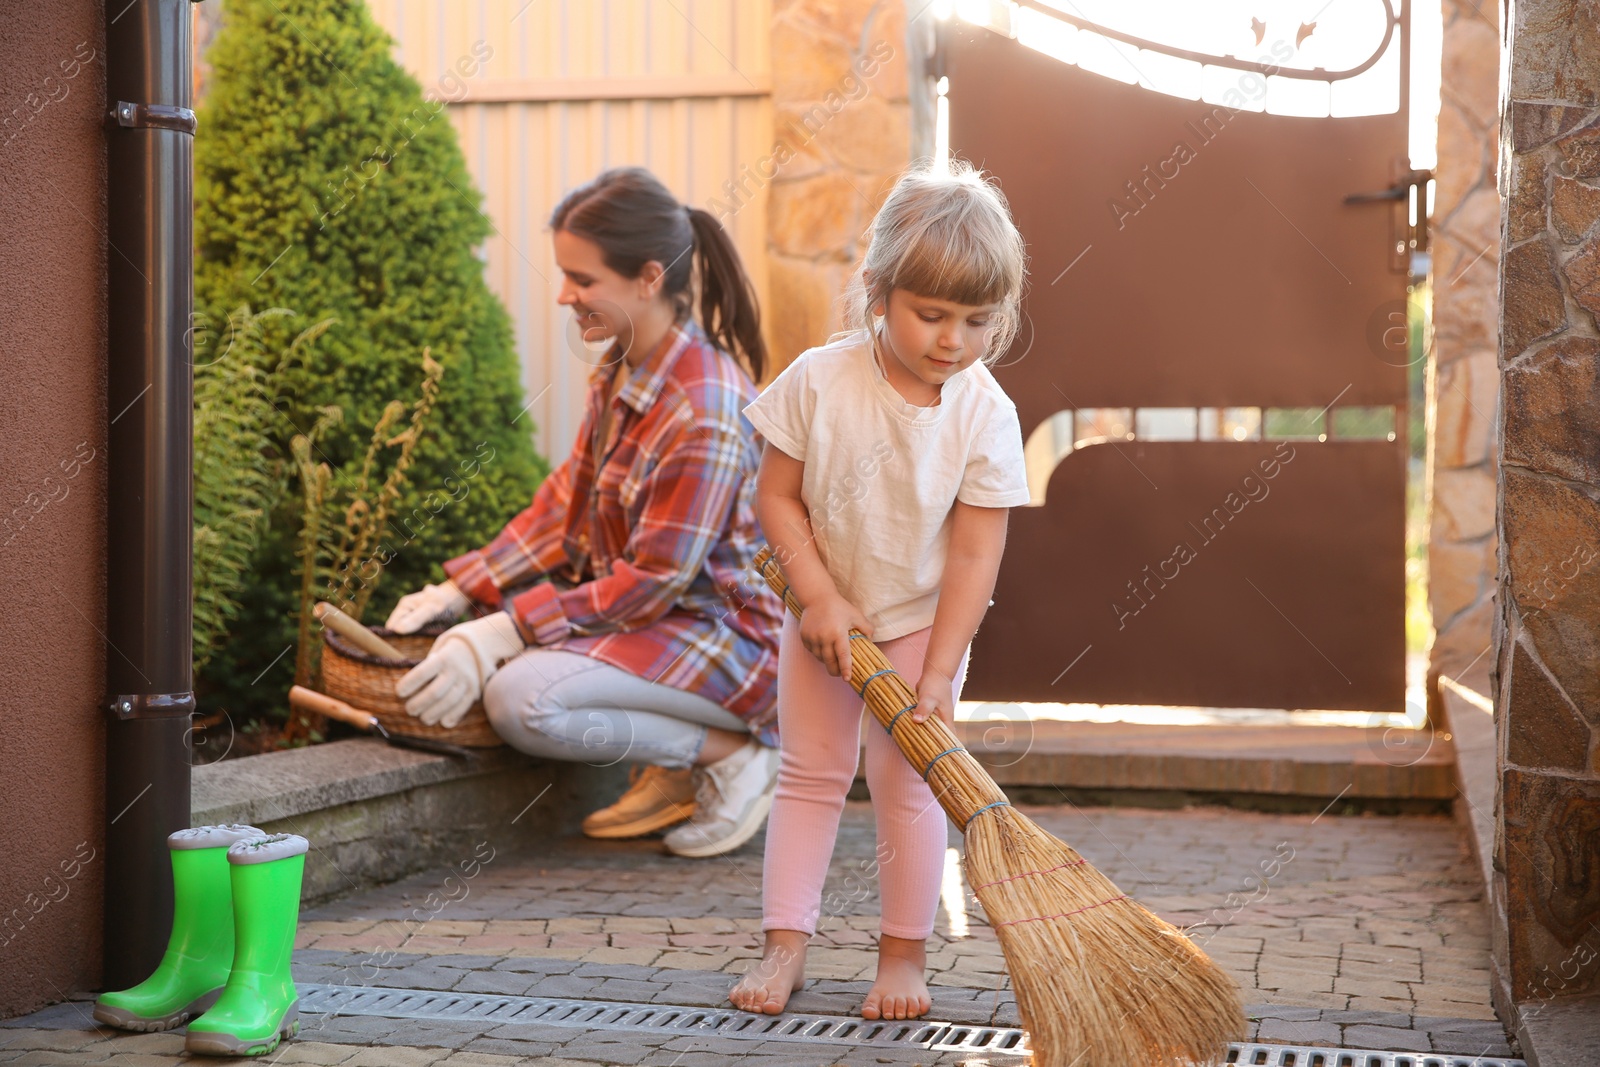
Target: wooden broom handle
{"points": [[930, 745]]}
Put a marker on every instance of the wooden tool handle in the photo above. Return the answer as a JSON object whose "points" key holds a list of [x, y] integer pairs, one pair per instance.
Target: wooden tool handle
{"points": [[930, 745], [363, 638], [323, 704]]}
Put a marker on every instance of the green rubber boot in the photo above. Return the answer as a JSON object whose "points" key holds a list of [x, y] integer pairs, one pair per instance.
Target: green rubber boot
{"points": [[199, 953], [259, 1007]]}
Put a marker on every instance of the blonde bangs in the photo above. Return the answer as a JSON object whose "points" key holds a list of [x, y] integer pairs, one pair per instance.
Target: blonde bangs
{"points": [[943, 234], [958, 259]]}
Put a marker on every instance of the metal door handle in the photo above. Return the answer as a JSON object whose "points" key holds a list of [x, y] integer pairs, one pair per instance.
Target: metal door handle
{"points": [[1398, 191]]}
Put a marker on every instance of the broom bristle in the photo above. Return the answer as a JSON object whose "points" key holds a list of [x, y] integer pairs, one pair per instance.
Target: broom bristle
{"points": [[1100, 981]]}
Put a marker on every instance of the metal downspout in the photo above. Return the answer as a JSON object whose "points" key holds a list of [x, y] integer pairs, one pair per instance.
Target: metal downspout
{"points": [[150, 443]]}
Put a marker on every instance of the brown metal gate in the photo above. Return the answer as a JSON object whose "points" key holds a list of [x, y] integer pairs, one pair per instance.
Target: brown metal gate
{"points": [[1229, 573]]}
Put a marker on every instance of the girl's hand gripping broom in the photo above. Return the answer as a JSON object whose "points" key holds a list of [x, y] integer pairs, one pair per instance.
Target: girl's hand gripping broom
{"points": [[1099, 980]]}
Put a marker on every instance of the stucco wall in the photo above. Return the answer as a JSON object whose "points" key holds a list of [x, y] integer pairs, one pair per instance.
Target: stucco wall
{"points": [[52, 490]]}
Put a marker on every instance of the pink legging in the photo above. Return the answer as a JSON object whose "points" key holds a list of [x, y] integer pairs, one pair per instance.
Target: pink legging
{"points": [[819, 725]]}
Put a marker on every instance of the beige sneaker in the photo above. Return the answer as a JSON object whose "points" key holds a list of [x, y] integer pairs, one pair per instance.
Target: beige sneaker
{"points": [[735, 794], [657, 797]]}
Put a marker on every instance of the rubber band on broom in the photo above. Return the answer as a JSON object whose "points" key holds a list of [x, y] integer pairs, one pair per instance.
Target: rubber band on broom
{"points": [[1082, 955]]}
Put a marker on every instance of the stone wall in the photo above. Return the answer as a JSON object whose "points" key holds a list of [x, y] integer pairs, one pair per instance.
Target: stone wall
{"points": [[842, 126], [1547, 627], [1463, 381]]}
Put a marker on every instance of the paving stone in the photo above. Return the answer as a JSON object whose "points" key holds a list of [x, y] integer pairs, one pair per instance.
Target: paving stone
{"points": [[1372, 987], [68, 1015], [1469, 1043], [467, 962], [323, 956], [166, 1043], [461, 1058], [440, 1033], [535, 965], [1390, 1038], [1485, 1028], [563, 985], [347, 1029], [712, 1044], [1383, 972], [1399, 1020], [1389, 1005], [1283, 1012], [615, 970], [395, 1057], [624, 989], [506, 983], [539, 1031], [321, 1053], [693, 996], [430, 975], [619, 1053], [520, 1051], [1335, 1001], [1296, 983], [1284, 1032], [30, 1039], [829, 985], [1449, 1043], [1304, 949]]}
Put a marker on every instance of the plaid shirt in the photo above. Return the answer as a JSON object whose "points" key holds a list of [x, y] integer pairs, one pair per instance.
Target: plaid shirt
{"points": [[650, 563]]}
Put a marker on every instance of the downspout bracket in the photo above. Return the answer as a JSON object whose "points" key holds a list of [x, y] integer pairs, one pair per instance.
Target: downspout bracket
{"points": [[155, 116], [151, 705]]}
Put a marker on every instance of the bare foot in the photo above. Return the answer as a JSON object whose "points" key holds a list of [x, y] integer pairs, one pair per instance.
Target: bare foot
{"points": [[782, 970], [901, 989]]}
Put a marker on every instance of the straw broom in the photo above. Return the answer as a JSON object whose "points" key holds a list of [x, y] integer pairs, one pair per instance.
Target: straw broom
{"points": [[1099, 980]]}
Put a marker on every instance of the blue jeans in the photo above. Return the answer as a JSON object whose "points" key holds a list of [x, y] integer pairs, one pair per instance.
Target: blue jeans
{"points": [[564, 705]]}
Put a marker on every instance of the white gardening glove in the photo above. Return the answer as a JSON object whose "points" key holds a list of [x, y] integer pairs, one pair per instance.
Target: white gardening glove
{"points": [[416, 610], [441, 688]]}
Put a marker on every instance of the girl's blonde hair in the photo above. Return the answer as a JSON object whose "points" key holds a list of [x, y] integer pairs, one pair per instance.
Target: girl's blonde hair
{"points": [[945, 233]]}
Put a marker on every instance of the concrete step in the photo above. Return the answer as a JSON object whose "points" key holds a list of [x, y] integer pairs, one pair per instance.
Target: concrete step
{"points": [[1354, 764]]}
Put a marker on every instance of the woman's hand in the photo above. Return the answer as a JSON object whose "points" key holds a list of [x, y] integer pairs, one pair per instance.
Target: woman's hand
{"points": [[936, 694], [443, 687], [431, 602], [825, 631]]}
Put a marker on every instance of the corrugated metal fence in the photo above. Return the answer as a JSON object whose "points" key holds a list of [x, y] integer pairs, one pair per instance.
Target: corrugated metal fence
{"points": [[547, 93]]}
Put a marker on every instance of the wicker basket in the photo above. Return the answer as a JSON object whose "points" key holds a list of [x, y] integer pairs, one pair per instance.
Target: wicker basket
{"points": [[367, 682]]}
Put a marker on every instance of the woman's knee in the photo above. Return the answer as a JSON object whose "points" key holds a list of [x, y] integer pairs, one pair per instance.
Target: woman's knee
{"points": [[523, 716], [502, 702]]}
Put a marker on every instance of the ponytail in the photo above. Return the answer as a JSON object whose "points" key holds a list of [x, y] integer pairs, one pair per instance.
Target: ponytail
{"points": [[633, 218], [728, 308]]}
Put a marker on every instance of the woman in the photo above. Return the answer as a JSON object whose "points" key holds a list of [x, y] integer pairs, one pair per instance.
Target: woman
{"points": [[624, 620]]}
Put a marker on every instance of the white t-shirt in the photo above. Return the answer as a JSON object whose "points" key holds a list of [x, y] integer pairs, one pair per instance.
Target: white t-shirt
{"points": [[882, 475]]}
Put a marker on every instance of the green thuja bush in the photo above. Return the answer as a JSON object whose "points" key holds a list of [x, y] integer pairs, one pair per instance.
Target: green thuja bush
{"points": [[326, 184]]}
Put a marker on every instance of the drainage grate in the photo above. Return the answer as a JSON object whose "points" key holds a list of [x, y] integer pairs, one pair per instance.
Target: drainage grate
{"points": [[318, 999], [1258, 1055]]}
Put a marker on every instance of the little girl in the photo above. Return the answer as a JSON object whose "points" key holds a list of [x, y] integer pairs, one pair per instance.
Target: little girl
{"points": [[891, 458]]}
